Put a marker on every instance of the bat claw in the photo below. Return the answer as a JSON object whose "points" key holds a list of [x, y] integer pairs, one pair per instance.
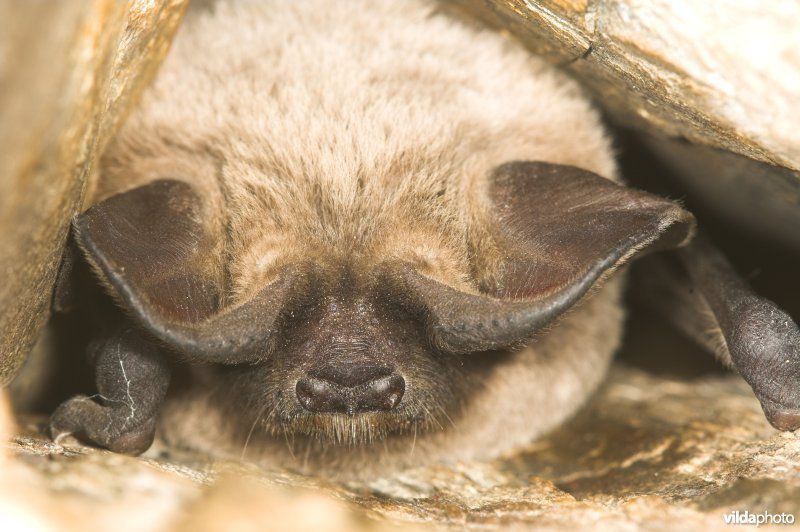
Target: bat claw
{"points": [[58, 435], [781, 417]]}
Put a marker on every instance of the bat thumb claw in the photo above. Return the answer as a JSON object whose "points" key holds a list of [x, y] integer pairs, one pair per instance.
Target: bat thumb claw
{"points": [[781, 417], [58, 435]]}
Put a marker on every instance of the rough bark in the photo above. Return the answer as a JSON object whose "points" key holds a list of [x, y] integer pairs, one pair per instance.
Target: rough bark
{"points": [[648, 452], [717, 79], [70, 71]]}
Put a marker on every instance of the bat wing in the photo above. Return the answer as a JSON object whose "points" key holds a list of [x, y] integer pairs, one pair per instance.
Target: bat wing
{"points": [[699, 292]]}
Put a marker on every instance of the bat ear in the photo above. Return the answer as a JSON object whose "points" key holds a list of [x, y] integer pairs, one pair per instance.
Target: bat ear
{"points": [[559, 231], [152, 247]]}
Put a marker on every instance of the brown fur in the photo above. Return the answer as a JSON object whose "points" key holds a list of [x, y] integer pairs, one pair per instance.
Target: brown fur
{"points": [[355, 132]]}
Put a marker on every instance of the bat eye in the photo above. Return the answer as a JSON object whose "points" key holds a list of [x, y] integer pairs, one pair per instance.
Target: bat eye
{"points": [[350, 389]]}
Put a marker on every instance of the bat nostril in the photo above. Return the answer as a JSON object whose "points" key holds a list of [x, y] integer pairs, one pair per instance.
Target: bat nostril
{"points": [[381, 394], [316, 395], [378, 395]]}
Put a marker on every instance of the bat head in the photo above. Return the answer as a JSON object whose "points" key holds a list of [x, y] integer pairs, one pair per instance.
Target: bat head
{"points": [[348, 341]]}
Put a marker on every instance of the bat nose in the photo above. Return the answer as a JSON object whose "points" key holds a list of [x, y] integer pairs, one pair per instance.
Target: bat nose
{"points": [[350, 389]]}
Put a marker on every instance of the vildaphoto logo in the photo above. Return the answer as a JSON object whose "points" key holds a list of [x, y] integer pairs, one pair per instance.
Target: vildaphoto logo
{"points": [[764, 518]]}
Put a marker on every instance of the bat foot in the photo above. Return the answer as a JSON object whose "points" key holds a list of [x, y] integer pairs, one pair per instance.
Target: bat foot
{"points": [[110, 427]]}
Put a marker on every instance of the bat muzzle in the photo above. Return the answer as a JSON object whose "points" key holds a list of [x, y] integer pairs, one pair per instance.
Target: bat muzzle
{"points": [[350, 390]]}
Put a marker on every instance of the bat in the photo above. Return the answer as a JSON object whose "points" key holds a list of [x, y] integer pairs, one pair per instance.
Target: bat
{"points": [[355, 236]]}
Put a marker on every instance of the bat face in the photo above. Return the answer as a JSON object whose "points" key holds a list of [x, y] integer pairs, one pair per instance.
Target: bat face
{"points": [[360, 241], [349, 364]]}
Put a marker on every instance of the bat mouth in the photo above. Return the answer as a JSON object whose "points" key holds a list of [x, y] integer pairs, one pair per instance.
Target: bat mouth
{"points": [[390, 403], [365, 404], [350, 429], [289, 420]]}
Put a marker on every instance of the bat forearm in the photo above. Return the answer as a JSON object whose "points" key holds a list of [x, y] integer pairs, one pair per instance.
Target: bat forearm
{"points": [[763, 341]]}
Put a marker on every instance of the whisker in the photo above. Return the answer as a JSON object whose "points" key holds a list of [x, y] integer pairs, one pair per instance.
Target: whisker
{"points": [[307, 453], [252, 428], [289, 446], [431, 416], [446, 415]]}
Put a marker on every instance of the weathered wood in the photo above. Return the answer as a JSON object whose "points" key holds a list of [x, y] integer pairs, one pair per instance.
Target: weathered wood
{"points": [[723, 74], [70, 71], [648, 452]]}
